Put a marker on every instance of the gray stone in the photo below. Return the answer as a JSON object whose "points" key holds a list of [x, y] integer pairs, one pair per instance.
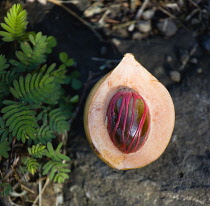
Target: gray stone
{"points": [[144, 26], [138, 36], [148, 14], [167, 27], [169, 59], [175, 76]]}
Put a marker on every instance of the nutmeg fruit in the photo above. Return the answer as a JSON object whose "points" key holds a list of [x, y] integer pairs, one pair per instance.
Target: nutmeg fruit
{"points": [[129, 116]]}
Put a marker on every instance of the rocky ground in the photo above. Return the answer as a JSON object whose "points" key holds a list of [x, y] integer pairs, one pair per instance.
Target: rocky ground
{"points": [[171, 39]]}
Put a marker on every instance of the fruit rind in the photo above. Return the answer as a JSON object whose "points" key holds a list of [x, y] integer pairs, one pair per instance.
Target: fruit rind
{"points": [[129, 73]]}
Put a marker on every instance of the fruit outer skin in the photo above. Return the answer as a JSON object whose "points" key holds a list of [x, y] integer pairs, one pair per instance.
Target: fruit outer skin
{"points": [[129, 73]]}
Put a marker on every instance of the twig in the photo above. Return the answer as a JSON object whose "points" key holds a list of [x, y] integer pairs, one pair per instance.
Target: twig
{"points": [[194, 4], [104, 16], [124, 24], [42, 191], [186, 60], [16, 194], [40, 188], [78, 18], [192, 14], [141, 10], [166, 12], [20, 182]]}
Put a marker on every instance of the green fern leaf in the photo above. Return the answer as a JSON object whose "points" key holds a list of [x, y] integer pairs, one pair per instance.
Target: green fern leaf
{"points": [[3, 64], [55, 154], [57, 171], [15, 24], [43, 135], [51, 42], [4, 148], [31, 56], [4, 132], [5, 82], [58, 120], [32, 165], [36, 88], [20, 119], [37, 151]]}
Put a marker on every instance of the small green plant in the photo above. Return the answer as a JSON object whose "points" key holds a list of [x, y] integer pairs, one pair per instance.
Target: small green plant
{"points": [[34, 109]]}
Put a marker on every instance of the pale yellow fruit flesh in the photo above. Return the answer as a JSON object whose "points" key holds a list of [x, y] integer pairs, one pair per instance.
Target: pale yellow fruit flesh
{"points": [[129, 73]]}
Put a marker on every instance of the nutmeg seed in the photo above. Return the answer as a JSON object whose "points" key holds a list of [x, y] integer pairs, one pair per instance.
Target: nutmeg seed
{"points": [[127, 120]]}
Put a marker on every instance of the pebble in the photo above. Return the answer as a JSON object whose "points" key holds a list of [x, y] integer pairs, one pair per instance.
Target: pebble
{"points": [[199, 70], [159, 71], [137, 36], [169, 59], [175, 76], [194, 60], [144, 26], [148, 14], [116, 42], [167, 27], [131, 27]]}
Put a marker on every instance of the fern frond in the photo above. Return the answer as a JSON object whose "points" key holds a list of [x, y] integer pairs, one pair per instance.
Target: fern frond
{"points": [[42, 116], [37, 151], [58, 120], [4, 148], [32, 165], [5, 82], [55, 167], [36, 88], [43, 135], [51, 42], [55, 154], [20, 119], [4, 132], [57, 171], [15, 24], [3, 64], [31, 56]]}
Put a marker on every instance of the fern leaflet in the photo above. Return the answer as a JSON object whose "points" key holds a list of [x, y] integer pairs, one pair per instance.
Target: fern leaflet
{"points": [[15, 24], [58, 120], [4, 132], [37, 151], [31, 56], [20, 119], [5, 82], [36, 88], [3, 64], [43, 135], [56, 168], [32, 165], [4, 148]]}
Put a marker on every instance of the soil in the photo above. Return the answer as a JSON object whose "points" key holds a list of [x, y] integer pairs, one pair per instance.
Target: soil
{"points": [[181, 176]]}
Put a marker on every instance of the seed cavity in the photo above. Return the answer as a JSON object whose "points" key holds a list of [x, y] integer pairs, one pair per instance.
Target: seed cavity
{"points": [[128, 120]]}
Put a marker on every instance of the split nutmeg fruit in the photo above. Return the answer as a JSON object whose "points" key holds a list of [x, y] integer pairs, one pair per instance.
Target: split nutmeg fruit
{"points": [[129, 116]]}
